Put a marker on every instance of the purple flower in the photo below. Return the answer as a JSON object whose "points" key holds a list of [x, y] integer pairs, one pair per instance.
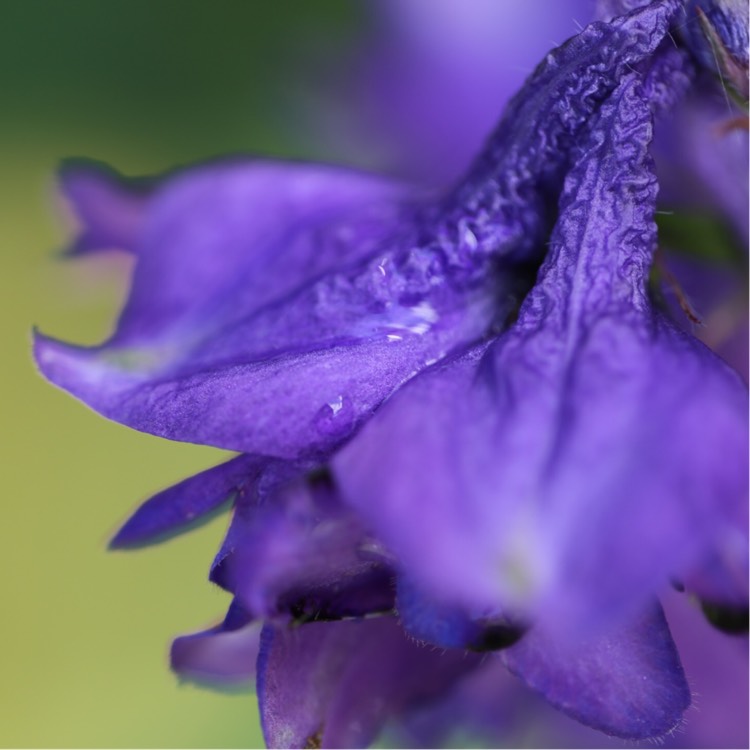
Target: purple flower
{"points": [[435, 448]]}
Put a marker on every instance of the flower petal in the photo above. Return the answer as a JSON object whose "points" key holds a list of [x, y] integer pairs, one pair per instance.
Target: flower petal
{"points": [[335, 684], [295, 552], [178, 508], [433, 81], [516, 179], [221, 656], [110, 208], [591, 429], [219, 344], [628, 683]]}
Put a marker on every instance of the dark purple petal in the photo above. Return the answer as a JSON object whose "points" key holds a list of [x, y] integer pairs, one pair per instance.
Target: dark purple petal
{"points": [[592, 452], [628, 682], [179, 508], [336, 684], [111, 210], [516, 179], [295, 552], [222, 656], [449, 626]]}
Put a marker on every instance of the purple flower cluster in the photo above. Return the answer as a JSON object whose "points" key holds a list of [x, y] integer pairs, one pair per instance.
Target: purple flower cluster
{"points": [[469, 438]]}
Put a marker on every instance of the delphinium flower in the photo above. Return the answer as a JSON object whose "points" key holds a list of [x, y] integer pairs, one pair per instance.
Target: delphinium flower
{"points": [[468, 439]]}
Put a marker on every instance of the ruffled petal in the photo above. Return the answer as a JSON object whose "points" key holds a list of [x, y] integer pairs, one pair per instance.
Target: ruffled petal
{"points": [[179, 508], [336, 684], [222, 656], [111, 209], [628, 682], [517, 177]]}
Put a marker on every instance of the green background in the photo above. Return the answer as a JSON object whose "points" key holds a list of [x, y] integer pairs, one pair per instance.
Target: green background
{"points": [[144, 86]]}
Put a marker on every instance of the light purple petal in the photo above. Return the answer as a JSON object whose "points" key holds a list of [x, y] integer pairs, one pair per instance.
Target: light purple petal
{"points": [[222, 656], [436, 75], [335, 684], [628, 683], [111, 209], [716, 666], [592, 452], [179, 508]]}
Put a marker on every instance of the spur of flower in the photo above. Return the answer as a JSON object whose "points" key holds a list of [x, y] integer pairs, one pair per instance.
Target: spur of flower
{"points": [[466, 434]]}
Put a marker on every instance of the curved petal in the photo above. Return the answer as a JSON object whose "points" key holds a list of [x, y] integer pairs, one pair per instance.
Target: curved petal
{"points": [[433, 81], [628, 683], [442, 624], [179, 508], [335, 684], [222, 656], [110, 208]]}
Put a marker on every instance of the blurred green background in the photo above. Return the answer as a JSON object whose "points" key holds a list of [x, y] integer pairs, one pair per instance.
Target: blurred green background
{"points": [[143, 85]]}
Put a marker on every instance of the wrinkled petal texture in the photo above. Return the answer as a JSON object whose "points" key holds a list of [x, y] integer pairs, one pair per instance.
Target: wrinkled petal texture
{"points": [[591, 429]]}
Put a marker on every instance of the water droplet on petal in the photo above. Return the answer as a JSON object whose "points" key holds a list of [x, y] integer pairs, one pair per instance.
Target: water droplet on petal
{"points": [[334, 417]]}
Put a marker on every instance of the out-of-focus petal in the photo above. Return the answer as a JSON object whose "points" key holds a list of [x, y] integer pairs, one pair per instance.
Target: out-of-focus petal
{"points": [[436, 75], [222, 656], [701, 165], [336, 684], [180, 507], [716, 666], [111, 209], [628, 683]]}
